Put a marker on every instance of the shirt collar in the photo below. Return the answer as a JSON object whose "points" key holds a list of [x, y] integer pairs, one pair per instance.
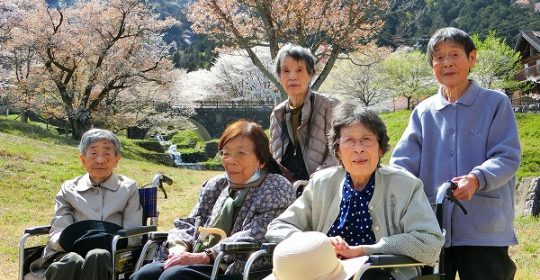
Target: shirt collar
{"points": [[85, 183], [348, 190], [467, 99]]}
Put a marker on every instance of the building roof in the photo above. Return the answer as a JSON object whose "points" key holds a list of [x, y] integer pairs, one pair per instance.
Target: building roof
{"points": [[531, 37]]}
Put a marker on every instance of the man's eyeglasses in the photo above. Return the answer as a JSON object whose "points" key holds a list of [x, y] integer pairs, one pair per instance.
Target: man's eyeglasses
{"points": [[349, 142], [237, 155]]}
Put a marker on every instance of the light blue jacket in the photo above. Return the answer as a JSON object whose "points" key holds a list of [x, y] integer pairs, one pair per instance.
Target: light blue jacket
{"points": [[478, 135]]}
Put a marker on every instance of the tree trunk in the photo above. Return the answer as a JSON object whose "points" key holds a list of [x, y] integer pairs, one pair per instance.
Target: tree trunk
{"points": [[409, 102], [79, 125], [24, 116]]}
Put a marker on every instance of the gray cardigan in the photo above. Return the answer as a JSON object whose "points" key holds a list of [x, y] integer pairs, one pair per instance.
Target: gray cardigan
{"points": [[403, 220]]}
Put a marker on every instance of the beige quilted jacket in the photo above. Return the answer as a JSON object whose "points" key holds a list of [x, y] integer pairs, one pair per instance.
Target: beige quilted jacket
{"points": [[316, 121]]}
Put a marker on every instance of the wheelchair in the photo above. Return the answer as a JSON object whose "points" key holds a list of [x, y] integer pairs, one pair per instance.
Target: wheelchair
{"points": [[123, 259], [155, 239], [374, 261]]}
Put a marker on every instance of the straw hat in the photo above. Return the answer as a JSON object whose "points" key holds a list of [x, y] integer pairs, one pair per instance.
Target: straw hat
{"points": [[311, 256]]}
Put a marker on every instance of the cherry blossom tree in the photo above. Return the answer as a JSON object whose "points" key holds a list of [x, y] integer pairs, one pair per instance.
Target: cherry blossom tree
{"points": [[358, 76], [239, 79], [96, 54], [326, 27]]}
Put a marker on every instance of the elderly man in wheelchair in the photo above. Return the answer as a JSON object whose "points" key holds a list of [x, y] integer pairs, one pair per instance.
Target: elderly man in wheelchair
{"points": [[363, 207], [89, 210]]}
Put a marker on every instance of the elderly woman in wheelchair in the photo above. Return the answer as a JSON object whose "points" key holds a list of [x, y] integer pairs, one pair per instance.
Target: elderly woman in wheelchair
{"points": [[364, 207], [99, 195], [239, 204]]}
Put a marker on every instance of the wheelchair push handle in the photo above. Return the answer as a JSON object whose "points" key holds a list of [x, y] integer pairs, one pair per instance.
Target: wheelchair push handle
{"points": [[158, 181], [446, 190]]}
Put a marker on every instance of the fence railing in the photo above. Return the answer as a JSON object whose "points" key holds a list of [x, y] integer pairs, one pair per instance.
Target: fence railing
{"points": [[529, 72], [228, 104]]}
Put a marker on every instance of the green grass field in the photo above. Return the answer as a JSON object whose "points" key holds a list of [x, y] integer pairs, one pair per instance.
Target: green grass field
{"points": [[35, 161]]}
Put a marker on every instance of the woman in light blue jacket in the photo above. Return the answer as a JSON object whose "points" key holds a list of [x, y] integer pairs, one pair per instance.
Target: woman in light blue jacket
{"points": [[467, 134]]}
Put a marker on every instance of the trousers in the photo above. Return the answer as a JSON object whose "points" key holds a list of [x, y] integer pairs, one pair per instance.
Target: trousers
{"points": [[478, 263], [97, 265]]}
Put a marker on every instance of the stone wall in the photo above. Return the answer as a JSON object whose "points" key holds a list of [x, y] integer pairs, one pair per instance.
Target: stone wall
{"points": [[528, 197]]}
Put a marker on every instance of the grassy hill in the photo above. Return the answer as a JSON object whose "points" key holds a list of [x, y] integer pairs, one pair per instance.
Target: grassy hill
{"points": [[35, 161], [529, 134]]}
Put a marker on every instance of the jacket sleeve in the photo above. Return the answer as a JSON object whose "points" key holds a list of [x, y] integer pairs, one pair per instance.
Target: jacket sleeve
{"points": [[503, 151], [416, 234], [329, 160], [271, 201], [296, 218], [63, 217], [183, 232], [133, 212], [408, 151]]}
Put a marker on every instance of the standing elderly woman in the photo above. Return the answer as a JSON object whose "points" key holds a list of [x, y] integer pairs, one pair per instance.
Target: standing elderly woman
{"points": [[299, 125], [467, 134], [241, 202], [98, 195], [364, 207]]}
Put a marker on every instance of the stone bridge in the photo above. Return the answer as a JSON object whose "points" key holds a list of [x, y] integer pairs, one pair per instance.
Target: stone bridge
{"points": [[211, 117]]}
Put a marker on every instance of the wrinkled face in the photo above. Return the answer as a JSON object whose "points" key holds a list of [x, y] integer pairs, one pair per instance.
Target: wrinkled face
{"points": [[294, 77], [451, 64], [239, 159], [359, 151], [100, 160]]}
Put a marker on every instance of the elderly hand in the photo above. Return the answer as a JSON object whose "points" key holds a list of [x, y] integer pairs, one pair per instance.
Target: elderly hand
{"points": [[467, 186], [186, 258], [343, 250]]}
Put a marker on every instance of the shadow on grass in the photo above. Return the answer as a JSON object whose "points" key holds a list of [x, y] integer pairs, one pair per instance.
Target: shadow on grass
{"points": [[34, 131]]}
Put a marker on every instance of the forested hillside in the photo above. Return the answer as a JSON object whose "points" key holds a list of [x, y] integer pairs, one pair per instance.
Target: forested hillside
{"points": [[408, 22], [411, 22]]}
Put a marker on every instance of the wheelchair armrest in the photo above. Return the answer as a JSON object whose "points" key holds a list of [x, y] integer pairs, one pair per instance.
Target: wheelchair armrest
{"points": [[240, 247], [136, 231], [158, 236], [269, 247], [39, 230], [392, 260]]}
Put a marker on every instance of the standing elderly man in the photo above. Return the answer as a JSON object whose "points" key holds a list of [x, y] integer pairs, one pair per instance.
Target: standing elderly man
{"points": [[98, 195]]}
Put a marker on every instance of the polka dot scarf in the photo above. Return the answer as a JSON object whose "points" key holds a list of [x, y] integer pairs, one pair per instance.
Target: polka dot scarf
{"points": [[354, 221]]}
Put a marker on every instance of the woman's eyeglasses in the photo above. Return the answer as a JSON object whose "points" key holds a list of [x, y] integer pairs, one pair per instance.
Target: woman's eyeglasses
{"points": [[228, 154], [349, 142]]}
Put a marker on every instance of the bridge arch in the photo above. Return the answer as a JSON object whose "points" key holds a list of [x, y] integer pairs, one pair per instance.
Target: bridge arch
{"points": [[211, 118]]}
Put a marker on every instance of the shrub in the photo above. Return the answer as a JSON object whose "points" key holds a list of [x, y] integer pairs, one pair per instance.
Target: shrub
{"points": [[160, 158], [211, 148], [187, 139], [212, 165], [193, 155], [151, 145]]}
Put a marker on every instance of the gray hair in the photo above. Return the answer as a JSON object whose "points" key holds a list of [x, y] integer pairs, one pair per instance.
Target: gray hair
{"points": [[449, 34], [348, 113], [299, 54], [95, 135]]}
